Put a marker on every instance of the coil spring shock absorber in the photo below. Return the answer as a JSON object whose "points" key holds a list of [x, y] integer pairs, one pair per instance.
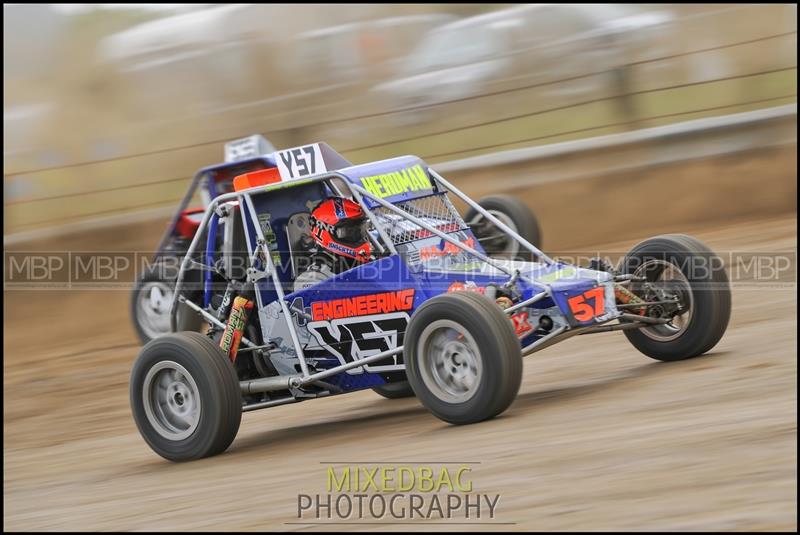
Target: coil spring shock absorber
{"points": [[232, 336], [625, 296]]}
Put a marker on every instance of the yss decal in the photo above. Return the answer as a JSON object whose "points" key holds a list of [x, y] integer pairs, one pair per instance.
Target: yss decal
{"points": [[300, 161], [355, 338]]}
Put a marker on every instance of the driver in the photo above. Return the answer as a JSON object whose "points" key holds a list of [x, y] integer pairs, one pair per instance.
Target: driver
{"points": [[339, 231]]}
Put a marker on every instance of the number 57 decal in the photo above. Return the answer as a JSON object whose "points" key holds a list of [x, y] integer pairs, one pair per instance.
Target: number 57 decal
{"points": [[589, 304]]}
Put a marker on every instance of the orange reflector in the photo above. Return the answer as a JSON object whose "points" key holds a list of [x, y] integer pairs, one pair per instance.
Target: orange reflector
{"points": [[256, 178]]}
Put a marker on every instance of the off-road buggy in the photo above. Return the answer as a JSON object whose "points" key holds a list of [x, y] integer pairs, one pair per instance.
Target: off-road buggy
{"points": [[153, 291], [432, 315]]}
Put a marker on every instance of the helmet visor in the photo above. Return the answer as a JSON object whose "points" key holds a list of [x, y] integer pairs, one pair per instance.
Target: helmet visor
{"points": [[351, 232]]}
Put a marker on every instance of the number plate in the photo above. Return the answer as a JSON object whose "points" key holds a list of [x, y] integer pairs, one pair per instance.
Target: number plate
{"points": [[246, 148], [300, 161], [589, 305]]}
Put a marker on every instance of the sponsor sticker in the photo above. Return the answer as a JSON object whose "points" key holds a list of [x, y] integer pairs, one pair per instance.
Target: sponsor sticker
{"points": [[232, 336], [362, 305], [522, 324], [403, 181], [434, 251]]}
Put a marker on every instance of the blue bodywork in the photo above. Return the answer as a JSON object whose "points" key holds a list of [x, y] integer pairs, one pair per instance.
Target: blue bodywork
{"points": [[372, 303]]}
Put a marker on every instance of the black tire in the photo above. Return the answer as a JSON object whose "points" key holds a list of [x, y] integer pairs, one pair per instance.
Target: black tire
{"points": [[395, 390], [217, 387], [710, 295], [497, 347], [521, 217], [145, 327]]}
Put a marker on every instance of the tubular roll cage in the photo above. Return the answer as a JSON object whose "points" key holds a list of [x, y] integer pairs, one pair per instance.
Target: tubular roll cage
{"points": [[627, 321], [196, 179]]}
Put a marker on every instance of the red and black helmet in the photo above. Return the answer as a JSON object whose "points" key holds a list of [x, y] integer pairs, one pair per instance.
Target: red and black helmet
{"points": [[339, 225]]}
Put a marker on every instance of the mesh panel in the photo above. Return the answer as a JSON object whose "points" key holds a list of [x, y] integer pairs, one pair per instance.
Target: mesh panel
{"points": [[435, 210]]}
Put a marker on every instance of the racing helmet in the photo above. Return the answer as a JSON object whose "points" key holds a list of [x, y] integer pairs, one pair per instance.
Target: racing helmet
{"points": [[339, 226]]}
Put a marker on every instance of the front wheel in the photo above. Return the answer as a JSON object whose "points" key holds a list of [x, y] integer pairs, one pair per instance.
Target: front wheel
{"points": [[185, 397], [462, 357], [679, 268]]}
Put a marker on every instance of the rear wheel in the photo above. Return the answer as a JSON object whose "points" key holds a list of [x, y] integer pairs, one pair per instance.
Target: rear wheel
{"points": [[150, 305], [462, 358], [395, 390], [511, 212], [185, 397], [681, 267]]}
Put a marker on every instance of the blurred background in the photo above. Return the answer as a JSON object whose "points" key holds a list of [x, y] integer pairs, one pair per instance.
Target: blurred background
{"points": [[612, 122], [111, 108]]}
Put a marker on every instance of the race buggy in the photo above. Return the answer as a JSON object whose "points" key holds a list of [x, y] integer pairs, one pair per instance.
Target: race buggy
{"points": [[153, 291], [431, 315]]}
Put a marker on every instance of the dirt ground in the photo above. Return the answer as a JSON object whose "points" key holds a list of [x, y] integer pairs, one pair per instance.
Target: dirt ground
{"points": [[600, 437]]}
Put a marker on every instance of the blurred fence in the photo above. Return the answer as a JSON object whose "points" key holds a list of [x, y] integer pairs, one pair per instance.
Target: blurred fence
{"points": [[527, 171], [675, 143], [663, 179], [151, 180]]}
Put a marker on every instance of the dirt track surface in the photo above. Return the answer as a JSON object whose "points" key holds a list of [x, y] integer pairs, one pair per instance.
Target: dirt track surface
{"points": [[600, 437]]}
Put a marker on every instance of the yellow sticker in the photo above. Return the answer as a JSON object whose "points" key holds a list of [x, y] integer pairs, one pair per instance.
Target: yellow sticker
{"points": [[397, 182]]}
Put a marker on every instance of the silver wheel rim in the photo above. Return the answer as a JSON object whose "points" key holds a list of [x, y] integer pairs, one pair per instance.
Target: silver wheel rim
{"points": [[511, 247], [672, 279], [152, 305], [449, 361], [171, 400]]}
